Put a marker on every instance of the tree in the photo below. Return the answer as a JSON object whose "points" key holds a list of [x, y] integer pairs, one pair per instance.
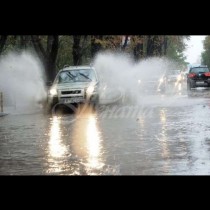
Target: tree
{"points": [[176, 46], [3, 40], [47, 54], [165, 44], [206, 53], [24, 42], [125, 43], [96, 44], [79, 48], [65, 55], [138, 47], [154, 45], [57, 51]]}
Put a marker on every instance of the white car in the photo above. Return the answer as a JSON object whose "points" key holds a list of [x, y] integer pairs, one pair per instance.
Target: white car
{"points": [[73, 85]]}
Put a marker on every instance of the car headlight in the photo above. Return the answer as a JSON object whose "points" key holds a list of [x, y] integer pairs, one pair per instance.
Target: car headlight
{"points": [[53, 91], [161, 80], [90, 89], [179, 77]]}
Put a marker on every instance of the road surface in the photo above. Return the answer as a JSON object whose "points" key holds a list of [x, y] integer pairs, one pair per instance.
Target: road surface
{"points": [[160, 135]]}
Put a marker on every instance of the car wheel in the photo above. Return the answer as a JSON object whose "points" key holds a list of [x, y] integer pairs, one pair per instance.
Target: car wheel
{"points": [[189, 91], [95, 104]]}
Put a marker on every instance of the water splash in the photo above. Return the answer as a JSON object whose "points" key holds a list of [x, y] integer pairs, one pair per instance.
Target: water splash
{"points": [[119, 74], [22, 80]]}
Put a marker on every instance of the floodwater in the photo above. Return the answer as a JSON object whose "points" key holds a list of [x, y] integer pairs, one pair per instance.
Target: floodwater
{"points": [[162, 135]]}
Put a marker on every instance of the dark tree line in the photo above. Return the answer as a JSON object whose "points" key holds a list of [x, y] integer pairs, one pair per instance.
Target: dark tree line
{"points": [[55, 51], [205, 57], [47, 54], [2, 42]]}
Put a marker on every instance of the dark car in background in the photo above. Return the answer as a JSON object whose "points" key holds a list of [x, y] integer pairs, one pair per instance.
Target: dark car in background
{"points": [[198, 76]]}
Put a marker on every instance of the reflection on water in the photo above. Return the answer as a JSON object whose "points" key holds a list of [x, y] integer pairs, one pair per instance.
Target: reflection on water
{"points": [[56, 150], [142, 121], [179, 87], [87, 142], [164, 140], [93, 144], [142, 126], [174, 139]]}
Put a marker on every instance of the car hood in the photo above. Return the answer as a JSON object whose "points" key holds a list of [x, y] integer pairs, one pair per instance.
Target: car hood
{"points": [[76, 85]]}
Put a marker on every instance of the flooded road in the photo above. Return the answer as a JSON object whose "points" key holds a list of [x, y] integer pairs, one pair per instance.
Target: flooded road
{"points": [[162, 135]]}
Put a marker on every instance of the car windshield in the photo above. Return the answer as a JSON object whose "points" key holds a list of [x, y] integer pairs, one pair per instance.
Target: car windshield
{"points": [[77, 75], [199, 69]]}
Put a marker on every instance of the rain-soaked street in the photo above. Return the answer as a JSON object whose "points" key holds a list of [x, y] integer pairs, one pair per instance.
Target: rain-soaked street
{"points": [[162, 135]]}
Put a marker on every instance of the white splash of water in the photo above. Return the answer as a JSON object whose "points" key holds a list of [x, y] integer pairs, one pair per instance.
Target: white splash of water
{"points": [[22, 80], [118, 72]]}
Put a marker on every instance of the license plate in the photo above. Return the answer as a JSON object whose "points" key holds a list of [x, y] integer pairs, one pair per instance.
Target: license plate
{"points": [[73, 100], [200, 82]]}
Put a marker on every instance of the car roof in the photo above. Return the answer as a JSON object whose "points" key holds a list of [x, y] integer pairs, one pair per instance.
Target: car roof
{"points": [[198, 66]]}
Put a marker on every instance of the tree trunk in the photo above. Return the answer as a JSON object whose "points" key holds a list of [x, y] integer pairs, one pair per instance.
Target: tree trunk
{"points": [[165, 45], [76, 50], [79, 48], [158, 45], [48, 56], [138, 51], [24, 42], [95, 46], [125, 43], [3, 40], [150, 46], [154, 46], [52, 51]]}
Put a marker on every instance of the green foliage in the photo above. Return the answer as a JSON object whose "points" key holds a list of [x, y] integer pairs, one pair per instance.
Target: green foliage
{"points": [[173, 49], [64, 52], [176, 47], [206, 53], [11, 44]]}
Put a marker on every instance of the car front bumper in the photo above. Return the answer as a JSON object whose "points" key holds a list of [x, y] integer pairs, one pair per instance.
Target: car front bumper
{"points": [[93, 98]]}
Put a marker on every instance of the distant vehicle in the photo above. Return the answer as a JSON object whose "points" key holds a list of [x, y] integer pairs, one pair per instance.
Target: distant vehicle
{"points": [[198, 76], [174, 76], [153, 85], [74, 85]]}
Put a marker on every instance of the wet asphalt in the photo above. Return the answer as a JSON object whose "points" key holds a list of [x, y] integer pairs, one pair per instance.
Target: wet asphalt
{"points": [[158, 135]]}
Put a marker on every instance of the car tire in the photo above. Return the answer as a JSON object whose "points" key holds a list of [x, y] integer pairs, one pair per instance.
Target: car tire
{"points": [[189, 91], [95, 104]]}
